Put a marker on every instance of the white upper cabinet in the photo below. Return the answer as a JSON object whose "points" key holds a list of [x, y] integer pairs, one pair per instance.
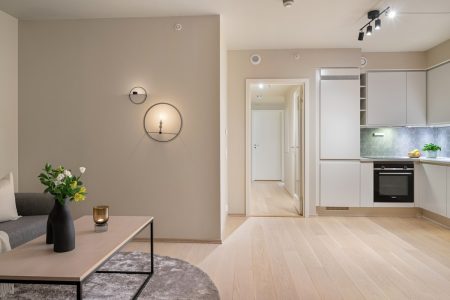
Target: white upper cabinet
{"points": [[438, 90], [386, 98], [339, 116], [416, 98]]}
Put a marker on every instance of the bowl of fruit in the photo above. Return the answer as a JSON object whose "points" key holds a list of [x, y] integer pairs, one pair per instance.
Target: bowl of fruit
{"points": [[414, 153]]}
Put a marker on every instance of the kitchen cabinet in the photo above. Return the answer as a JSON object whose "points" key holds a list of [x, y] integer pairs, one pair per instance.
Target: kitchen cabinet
{"points": [[366, 199], [386, 98], [339, 115], [434, 188], [340, 183], [438, 91], [397, 98], [416, 98]]}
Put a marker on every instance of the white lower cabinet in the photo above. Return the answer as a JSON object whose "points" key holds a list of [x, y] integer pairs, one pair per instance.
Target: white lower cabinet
{"points": [[366, 184], [434, 189], [340, 183]]}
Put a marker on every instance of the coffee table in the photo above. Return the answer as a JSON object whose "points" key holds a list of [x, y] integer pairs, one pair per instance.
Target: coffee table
{"points": [[36, 263]]}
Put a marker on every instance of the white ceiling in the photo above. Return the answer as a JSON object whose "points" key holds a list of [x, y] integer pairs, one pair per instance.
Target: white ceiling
{"points": [[269, 94], [266, 24]]}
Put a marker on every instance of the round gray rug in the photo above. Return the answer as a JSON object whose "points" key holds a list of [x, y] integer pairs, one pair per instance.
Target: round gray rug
{"points": [[172, 279]]}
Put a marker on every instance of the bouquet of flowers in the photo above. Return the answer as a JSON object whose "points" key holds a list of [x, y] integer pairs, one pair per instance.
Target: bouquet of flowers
{"points": [[62, 184]]}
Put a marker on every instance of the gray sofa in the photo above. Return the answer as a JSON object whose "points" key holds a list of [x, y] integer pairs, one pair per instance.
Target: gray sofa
{"points": [[34, 209]]}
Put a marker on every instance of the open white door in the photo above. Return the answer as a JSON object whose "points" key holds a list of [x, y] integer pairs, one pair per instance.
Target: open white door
{"points": [[266, 144]]}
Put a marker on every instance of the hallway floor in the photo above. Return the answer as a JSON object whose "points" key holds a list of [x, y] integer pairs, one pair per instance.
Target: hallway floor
{"points": [[270, 198]]}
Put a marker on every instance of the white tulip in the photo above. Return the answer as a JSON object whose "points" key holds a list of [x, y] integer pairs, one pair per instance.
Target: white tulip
{"points": [[67, 173], [57, 182], [60, 177], [82, 170]]}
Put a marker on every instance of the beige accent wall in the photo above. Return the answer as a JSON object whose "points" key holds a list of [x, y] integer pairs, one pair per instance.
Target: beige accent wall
{"points": [[74, 110], [275, 64], [438, 54], [394, 60], [8, 96], [223, 130]]}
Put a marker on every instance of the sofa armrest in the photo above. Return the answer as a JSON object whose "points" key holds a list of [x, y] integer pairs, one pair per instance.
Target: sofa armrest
{"points": [[32, 204]]}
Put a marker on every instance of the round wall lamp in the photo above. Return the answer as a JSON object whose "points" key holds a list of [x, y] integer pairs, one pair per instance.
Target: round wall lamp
{"points": [[163, 122], [137, 95]]}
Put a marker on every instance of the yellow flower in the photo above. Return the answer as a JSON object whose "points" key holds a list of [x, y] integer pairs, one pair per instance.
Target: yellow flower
{"points": [[82, 190], [74, 185], [79, 197]]}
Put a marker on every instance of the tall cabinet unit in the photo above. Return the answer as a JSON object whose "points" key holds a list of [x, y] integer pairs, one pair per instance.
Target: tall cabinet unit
{"points": [[339, 137]]}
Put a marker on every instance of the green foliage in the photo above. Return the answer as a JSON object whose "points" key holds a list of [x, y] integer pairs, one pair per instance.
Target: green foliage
{"points": [[431, 147], [62, 184]]}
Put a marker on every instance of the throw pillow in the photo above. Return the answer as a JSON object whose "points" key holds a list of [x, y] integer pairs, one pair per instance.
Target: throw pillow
{"points": [[8, 209]]}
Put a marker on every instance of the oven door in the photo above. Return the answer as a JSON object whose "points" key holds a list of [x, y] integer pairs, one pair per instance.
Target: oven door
{"points": [[393, 186]]}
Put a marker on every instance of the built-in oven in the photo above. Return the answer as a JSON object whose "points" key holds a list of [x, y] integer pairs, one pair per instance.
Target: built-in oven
{"points": [[393, 182]]}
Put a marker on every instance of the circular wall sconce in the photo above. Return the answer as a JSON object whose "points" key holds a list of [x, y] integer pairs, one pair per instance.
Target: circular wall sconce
{"points": [[163, 122], [137, 95]]}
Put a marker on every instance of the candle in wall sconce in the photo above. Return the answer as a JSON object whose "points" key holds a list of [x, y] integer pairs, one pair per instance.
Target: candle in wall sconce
{"points": [[163, 122], [161, 118]]}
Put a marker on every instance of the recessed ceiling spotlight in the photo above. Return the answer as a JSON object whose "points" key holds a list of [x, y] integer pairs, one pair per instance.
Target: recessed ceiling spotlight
{"points": [[261, 86], [288, 3]]}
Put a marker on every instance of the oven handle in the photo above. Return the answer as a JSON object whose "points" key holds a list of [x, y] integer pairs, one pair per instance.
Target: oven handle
{"points": [[381, 173], [393, 169]]}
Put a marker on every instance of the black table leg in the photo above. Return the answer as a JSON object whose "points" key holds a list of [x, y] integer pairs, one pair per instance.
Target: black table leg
{"points": [[151, 245], [79, 291]]}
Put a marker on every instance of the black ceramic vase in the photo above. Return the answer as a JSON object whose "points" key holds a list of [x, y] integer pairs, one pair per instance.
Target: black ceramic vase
{"points": [[61, 228], [49, 237]]}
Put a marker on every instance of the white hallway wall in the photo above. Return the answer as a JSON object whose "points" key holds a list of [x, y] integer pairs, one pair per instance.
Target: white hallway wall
{"points": [[9, 96]]}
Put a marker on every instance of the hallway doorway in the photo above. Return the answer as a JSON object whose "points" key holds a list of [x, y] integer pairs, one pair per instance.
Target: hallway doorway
{"points": [[276, 133]]}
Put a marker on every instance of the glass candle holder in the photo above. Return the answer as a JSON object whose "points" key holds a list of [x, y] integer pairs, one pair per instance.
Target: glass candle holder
{"points": [[100, 215]]}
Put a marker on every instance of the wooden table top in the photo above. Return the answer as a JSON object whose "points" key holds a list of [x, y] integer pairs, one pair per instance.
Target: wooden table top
{"points": [[36, 260]]}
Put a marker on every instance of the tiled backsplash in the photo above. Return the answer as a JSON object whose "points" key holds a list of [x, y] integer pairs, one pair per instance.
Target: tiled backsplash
{"points": [[398, 141]]}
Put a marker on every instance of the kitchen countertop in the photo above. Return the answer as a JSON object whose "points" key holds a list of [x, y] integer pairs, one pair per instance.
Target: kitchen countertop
{"points": [[439, 160]]}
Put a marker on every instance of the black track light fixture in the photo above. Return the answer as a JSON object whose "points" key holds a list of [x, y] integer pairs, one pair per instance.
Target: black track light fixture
{"points": [[288, 3], [377, 24], [374, 16], [361, 36]]}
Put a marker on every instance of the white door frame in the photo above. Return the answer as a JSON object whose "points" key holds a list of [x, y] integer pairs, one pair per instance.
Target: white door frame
{"points": [[248, 138]]}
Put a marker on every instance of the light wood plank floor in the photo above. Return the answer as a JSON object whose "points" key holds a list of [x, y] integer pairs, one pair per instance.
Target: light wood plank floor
{"points": [[324, 258], [270, 198]]}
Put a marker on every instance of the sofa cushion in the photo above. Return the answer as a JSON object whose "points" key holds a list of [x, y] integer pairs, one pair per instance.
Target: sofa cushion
{"points": [[8, 210], [31, 204], [24, 229]]}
